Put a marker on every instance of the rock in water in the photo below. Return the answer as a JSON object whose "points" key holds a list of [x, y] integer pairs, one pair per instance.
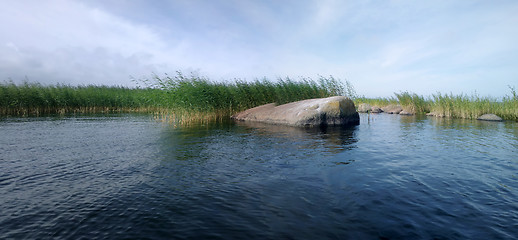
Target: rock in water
{"points": [[364, 107], [392, 109], [490, 117], [312, 112], [376, 109], [405, 113]]}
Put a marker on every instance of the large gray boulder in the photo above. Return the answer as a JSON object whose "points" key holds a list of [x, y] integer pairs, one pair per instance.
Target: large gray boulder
{"points": [[312, 112], [490, 117]]}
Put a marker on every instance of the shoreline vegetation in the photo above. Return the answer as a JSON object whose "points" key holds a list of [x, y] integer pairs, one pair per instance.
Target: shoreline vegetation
{"points": [[450, 106], [181, 98], [177, 98]]}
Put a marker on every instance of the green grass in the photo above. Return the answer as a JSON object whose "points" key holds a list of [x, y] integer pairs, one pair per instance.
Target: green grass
{"points": [[472, 106], [176, 95], [449, 105], [36, 99], [199, 94], [412, 102], [379, 102], [181, 97]]}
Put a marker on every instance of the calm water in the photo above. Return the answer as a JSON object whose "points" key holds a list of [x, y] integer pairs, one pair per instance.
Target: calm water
{"points": [[128, 176]]}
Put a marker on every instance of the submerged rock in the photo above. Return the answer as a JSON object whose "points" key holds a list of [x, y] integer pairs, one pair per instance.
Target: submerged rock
{"points": [[490, 117], [312, 112], [364, 107], [392, 109]]}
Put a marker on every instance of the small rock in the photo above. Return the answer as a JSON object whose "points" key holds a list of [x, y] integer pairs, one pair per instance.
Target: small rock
{"points": [[392, 109], [405, 113], [490, 117], [364, 107], [376, 109]]}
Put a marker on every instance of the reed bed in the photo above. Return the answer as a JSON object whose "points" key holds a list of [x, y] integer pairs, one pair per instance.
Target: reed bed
{"points": [[413, 103], [36, 99], [472, 106], [379, 102], [450, 105], [197, 98], [181, 98], [178, 97]]}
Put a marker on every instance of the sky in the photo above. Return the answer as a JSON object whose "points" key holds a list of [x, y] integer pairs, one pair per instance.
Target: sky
{"points": [[381, 47]]}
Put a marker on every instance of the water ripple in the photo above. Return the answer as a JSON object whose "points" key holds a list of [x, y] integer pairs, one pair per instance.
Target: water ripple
{"points": [[392, 177]]}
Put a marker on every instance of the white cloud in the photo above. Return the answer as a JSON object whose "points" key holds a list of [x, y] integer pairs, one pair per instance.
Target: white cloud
{"points": [[326, 14], [69, 42], [382, 47]]}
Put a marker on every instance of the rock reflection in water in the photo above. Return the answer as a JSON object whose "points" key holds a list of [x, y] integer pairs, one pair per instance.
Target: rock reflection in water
{"points": [[332, 139], [196, 141]]}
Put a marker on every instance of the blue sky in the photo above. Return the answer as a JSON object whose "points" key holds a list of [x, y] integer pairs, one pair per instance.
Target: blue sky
{"points": [[381, 47]]}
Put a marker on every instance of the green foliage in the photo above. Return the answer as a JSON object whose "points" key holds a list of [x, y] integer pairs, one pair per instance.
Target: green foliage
{"points": [[35, 99], [449, 105], [412, 102], [199, 94], [472, 106], [379, 102], [178, 93]]}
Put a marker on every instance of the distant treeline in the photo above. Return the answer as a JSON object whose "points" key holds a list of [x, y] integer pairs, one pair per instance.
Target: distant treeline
{"points": [[178, 93]]}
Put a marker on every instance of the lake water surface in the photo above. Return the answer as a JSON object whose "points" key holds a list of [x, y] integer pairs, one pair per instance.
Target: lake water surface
{"points": [[128, 176]]}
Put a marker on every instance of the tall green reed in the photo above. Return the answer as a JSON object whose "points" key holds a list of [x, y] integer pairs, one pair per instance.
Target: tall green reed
{"points": [[472, 106], [412, 102], [379, 102], [450, 105], [199, 94], [35, 99], [181, 94]]}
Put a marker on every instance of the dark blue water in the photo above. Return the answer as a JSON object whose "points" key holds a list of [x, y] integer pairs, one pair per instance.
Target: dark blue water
{"points": [[128, 176]]}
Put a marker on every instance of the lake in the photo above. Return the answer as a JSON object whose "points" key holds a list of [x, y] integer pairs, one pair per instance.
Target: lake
{"points": [[129, 176]]}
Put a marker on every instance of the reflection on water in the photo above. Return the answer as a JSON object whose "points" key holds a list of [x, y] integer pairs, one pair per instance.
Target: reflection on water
{"points": [[480, 136], [199, 141], [126, 176], [332, 139]]}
